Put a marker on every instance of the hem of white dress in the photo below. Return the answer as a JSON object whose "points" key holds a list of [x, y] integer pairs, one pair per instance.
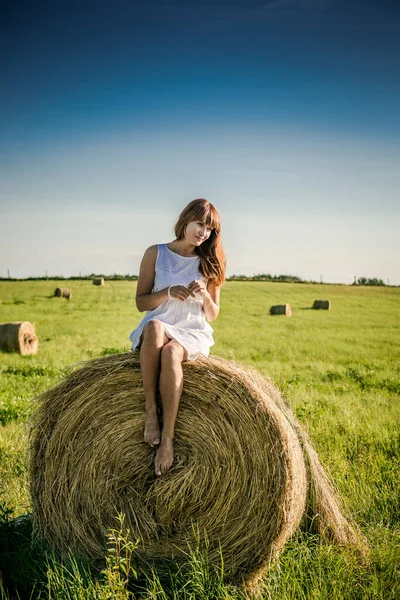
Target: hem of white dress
{"points": [[192, 355]]}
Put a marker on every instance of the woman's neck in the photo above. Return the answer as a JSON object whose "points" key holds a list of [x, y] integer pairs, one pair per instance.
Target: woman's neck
{"points": [[182, 247]]}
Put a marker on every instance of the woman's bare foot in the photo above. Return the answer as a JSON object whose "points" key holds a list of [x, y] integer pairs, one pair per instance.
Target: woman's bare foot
{"points": [[152, 432], [164, 456]]}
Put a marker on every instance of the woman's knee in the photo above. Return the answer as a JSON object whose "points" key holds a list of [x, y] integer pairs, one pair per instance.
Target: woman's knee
{"points": [[153, 329], [172, 352]]}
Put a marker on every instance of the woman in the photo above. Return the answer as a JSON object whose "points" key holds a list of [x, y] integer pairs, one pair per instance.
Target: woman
{"points": [[179, 287]]}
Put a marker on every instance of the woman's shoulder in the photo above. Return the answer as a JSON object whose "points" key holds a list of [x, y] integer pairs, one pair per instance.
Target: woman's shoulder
{"points": [[152, 250], [150, 256]]}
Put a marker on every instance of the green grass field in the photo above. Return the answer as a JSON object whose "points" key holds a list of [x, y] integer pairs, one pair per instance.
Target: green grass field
{"points": [[338, 369]]}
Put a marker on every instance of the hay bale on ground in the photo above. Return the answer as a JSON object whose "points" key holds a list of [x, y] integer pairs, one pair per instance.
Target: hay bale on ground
{"points": [[98, 281], [63, 293], [322, 304], [241, 472], [281, 309], [19, 336]]}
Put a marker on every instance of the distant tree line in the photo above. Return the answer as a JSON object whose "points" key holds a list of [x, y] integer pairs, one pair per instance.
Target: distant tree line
{"points": [[368, 281], [260, 277], [268, 277], [114, 277]]}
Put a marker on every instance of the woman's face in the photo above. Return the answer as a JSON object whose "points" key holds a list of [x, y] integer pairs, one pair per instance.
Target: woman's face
{"points": [[197, 232]]}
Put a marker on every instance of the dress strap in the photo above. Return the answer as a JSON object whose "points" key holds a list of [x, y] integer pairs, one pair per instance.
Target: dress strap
{"points": [[161, 251]]}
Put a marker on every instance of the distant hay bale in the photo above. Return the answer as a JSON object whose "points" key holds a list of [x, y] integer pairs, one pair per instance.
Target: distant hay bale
{"points": [[19, 336], [322, 304], [98, 281], [240, 477], [63, 293], [281, 309]]}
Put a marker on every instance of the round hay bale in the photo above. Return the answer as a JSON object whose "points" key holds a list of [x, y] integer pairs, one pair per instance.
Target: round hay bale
{"points": [[63, 293], [98, 281], [239, 479], [322, 304], [281, 309], [19, 336]]}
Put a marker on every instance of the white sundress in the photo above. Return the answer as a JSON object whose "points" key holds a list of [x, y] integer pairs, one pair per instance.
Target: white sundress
{"points": [[183, 321]]}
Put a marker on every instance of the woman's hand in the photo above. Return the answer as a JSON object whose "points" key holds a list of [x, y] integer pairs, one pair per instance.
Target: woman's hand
{"points": [[210, 295], [198, 287], [180, 292]]}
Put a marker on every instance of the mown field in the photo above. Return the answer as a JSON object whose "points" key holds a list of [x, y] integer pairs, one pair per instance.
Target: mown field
{"points": [[339, 370]]}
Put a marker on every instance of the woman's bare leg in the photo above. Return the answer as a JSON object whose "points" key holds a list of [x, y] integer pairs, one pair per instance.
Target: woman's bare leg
{"points": [[153, 340], [171, 383]]}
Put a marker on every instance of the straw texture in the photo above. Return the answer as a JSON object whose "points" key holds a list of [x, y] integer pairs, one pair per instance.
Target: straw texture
{"points": [[240, 475], [19, 336]]}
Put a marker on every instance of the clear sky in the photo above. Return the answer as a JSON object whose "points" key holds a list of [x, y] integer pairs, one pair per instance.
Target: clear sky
{"points": [[284, 113]]}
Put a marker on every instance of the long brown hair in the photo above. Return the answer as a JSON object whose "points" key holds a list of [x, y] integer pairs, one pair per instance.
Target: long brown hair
{"points": [[211, 251]]}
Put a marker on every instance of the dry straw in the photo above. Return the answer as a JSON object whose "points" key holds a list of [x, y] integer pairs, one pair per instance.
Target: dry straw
{"points": [[322, 304], [98, 281], [19, 336], [242, 473], [281, 309], [63, 293]]}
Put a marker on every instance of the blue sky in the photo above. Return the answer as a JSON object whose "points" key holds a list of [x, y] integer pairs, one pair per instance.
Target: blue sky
{"points": [[285, 114]]}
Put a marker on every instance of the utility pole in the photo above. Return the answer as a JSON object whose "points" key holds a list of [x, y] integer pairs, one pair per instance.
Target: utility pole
{"points": [[8, 273]]}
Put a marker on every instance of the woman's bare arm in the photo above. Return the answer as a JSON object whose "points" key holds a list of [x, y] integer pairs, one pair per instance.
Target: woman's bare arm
{"points": [[145, 300], [210, 295], [211, 303]]}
